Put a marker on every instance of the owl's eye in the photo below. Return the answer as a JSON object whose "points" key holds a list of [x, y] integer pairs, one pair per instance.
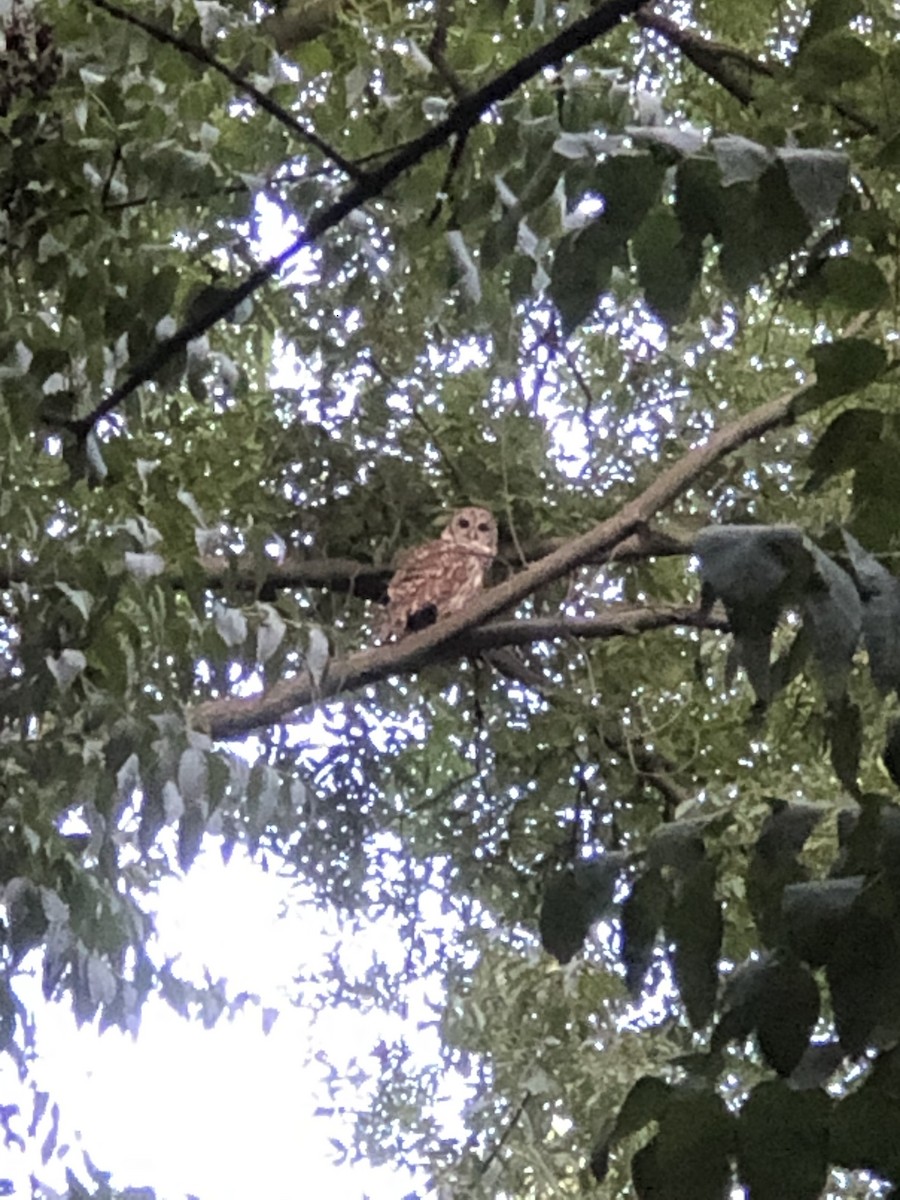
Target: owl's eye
{"points": [[463, 522], [484, 527]]}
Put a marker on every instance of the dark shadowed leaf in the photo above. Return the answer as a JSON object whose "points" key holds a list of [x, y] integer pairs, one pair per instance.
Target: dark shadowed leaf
{"points": [[757, 572], [844, 733], [817, 178], [863, 973], [25, 916], [813, 915], [788, 1010], [880, 592], [565, 920], [596, 881], [832, 611], [865, 1127], [694, 926], [647, 1175], [842, 367], [642, 918], [8, 1016], [891, 753], [774, 864], [573, 900], [676, 844], [668, 264], [853, 285], [646, 1101], [846, 441], [740, 159], [783, 1142], [818, 1064], [741, 1003], [693, 1147]]}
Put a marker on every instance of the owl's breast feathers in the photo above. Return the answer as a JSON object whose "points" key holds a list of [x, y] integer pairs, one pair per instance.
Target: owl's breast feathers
{"points": [[433, 581]]}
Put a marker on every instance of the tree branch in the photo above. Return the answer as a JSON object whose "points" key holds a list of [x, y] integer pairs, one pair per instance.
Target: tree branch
{"points": [[200, 54], [232, 716], [719, 62], [462, 117], [615, 621], [365, 579]]}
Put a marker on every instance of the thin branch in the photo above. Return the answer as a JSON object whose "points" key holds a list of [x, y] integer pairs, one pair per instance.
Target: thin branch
{"points": [[233, 716], [437, 49], [200, 54], [650, 767], [504, 1137], [613, 622], [464, 115], [364, 579]]}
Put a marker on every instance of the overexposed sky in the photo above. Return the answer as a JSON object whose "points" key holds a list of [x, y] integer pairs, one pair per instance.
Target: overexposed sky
{"points": [[225, 1113]]}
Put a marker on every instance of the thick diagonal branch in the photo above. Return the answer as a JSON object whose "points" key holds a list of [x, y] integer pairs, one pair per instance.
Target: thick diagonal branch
{"points": [[234, 716]]}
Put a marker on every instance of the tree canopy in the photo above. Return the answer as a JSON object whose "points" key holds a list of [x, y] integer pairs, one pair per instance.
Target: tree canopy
{"points": [[282, 287]]}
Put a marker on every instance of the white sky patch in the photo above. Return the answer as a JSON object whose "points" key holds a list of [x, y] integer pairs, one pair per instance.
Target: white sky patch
{"points": [[222, 1113]]}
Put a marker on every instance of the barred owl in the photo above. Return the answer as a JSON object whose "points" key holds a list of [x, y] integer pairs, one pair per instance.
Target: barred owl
{"points": [[440, 577]]}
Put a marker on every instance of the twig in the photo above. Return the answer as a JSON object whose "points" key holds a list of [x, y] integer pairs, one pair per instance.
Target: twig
{"points": [[510, 1126], [200, 54], [437, 49], [467, 113], [718, 61]]}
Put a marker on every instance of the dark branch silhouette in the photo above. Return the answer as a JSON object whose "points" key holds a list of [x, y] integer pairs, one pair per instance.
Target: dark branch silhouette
{"points": [[464, 115]]}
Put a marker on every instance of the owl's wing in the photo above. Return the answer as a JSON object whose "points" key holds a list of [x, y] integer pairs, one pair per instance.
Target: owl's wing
{"points": [[415, 587], [431, 581]]}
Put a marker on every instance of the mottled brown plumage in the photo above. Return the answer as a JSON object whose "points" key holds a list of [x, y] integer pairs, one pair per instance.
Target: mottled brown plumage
{"points": [[440, 577]]}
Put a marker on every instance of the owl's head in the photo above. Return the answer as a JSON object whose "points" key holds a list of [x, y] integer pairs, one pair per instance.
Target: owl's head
{"points": [[473, 528]]}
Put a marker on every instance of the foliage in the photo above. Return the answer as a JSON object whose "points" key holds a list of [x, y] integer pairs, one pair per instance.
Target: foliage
{"points": [[628, 278]]}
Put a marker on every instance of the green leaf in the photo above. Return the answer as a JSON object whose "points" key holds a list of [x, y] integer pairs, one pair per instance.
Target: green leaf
{"points": [[854, 285], [817, 178], [844, 444], [668, 265], [827, 15], [841, 367], [839, 56]]}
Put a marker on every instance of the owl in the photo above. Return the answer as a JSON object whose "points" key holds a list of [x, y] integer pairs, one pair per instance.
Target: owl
{"points": [[441, 577]]}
